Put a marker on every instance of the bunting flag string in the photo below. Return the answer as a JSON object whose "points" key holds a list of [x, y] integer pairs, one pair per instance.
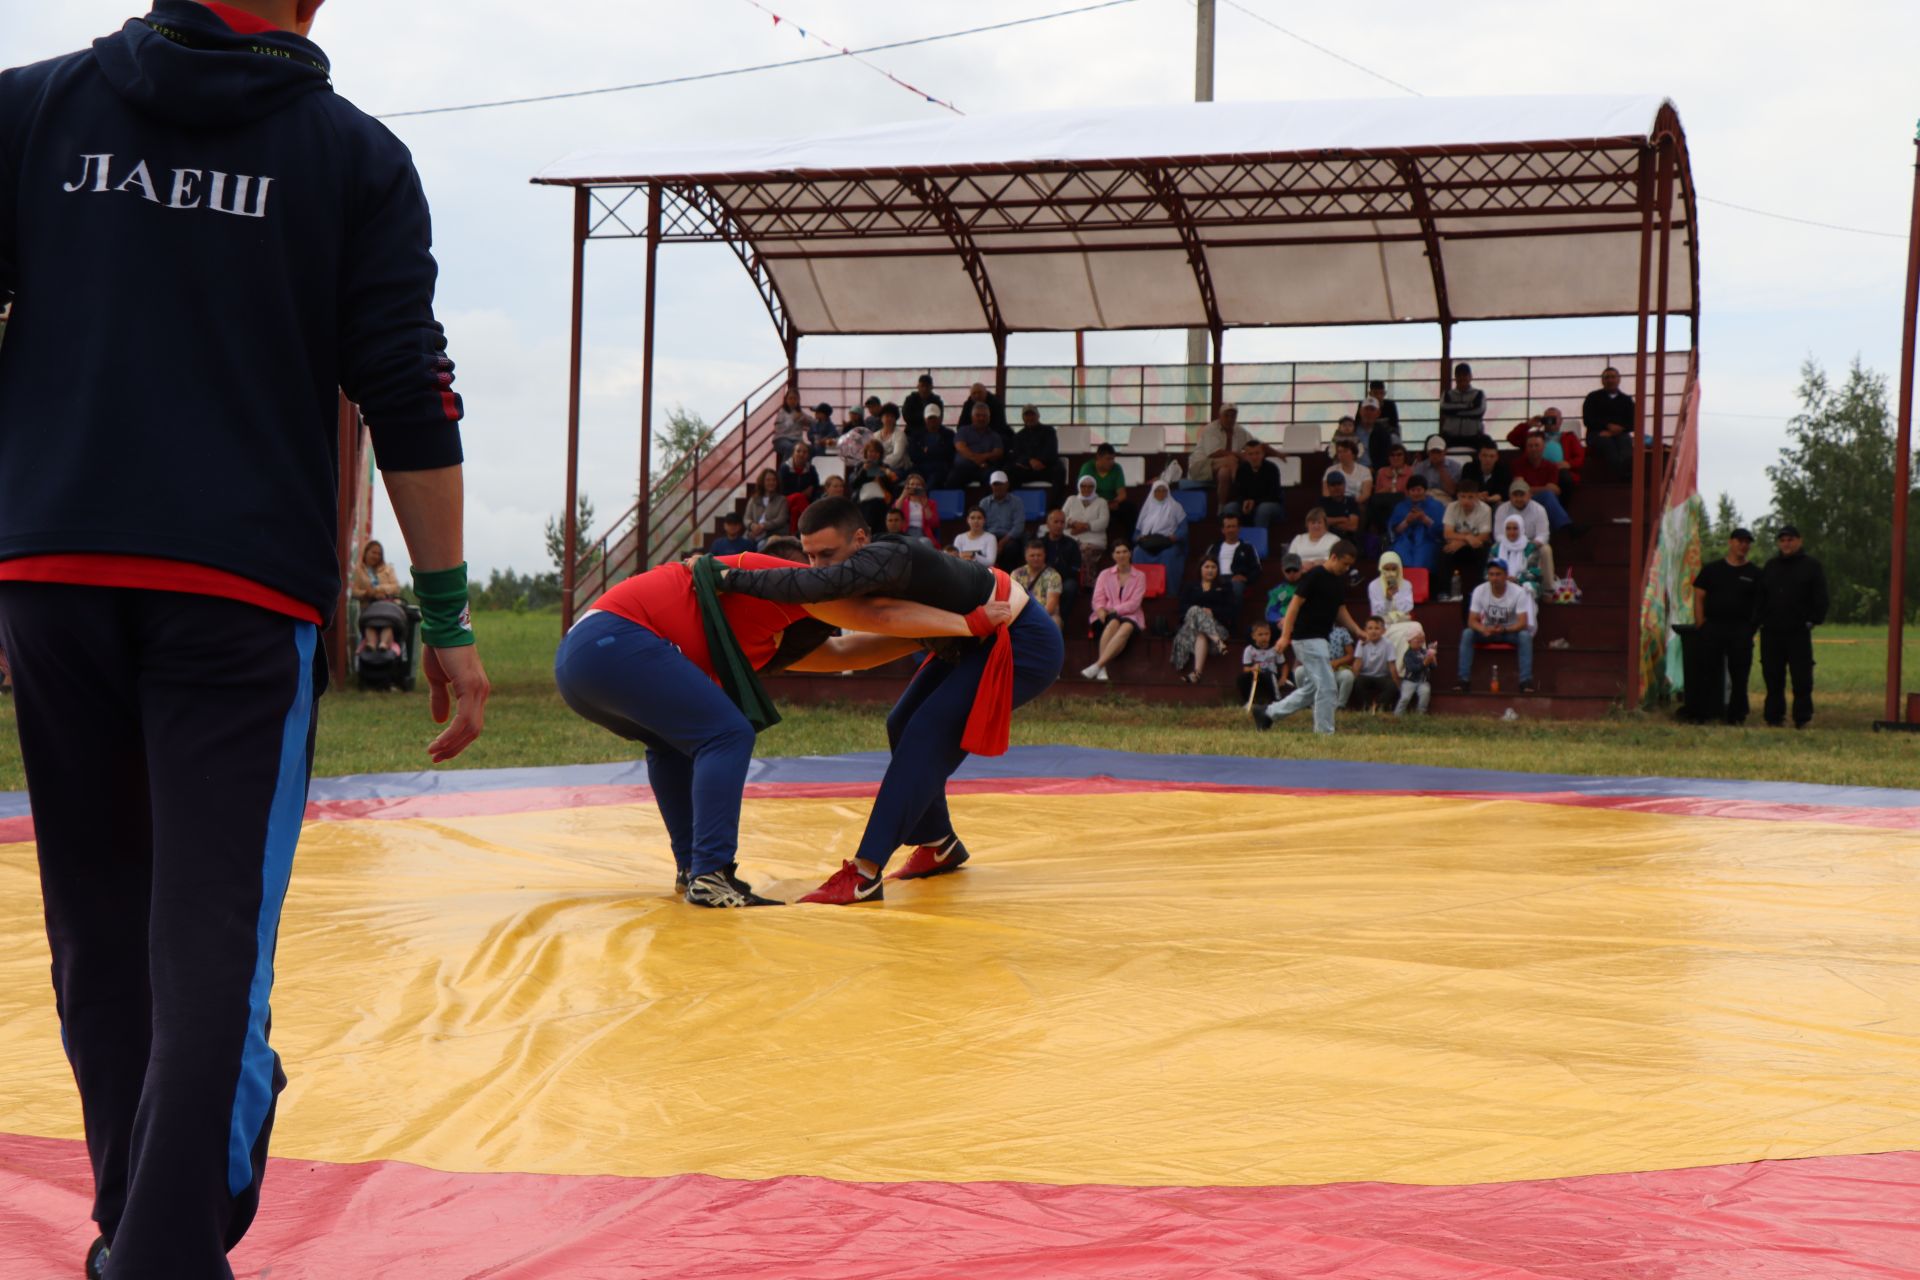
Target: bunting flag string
{"points": [[844, 51]]}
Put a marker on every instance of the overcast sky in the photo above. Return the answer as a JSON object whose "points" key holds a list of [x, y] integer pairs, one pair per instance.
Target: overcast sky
{"points": [[1803, 110]]}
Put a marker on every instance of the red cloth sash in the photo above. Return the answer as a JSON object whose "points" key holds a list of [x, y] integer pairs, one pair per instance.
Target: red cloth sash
{"points": [[991, 719]]}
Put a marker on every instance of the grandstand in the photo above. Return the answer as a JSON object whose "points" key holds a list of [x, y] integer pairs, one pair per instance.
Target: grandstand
{"points": [[1222, 216]]}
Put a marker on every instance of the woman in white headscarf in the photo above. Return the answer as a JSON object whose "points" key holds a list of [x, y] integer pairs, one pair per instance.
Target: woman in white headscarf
{"points": [[1520, 554], [1087, 518], [1160, 534], [1390, 598]]}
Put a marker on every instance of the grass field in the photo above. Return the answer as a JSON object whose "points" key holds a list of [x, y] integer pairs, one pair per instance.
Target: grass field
{"points": [[528, 725]]}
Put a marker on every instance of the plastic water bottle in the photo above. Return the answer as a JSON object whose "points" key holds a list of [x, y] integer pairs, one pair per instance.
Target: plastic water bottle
{"points": [[1458, 586], [1495, 686]]}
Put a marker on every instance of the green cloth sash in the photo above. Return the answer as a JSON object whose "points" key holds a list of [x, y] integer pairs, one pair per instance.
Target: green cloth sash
{"points": [[737, 675]]}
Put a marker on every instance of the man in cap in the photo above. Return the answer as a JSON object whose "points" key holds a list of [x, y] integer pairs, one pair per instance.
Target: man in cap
{"points": [[1793, 602], [1533, 523], [1463, 408], [1006, 519], [913, 409], [1441, 473], [929, 445], [1726, 605]]}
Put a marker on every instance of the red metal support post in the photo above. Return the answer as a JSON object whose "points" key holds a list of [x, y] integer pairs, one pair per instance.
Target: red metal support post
{"points": [[572, 554], [1637, 535], [1000, 368], [1902, 459], [643, 514], [347, 432], [1665, 201]]}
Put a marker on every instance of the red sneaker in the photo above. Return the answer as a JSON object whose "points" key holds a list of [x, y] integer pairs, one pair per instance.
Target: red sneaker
{"points": [[940, 859], [846, 887]]}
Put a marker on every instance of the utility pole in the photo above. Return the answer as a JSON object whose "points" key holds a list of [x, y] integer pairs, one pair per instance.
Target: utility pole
{"points": [[1202, 92]]}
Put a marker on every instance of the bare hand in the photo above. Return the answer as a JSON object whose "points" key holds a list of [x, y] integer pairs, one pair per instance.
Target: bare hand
{"points": [[457, 684], [999, 612]]}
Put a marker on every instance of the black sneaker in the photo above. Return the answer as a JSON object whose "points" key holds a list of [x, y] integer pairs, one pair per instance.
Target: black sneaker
{"points": [[1261, 720], [724, 889], [97, 1259], [1526, 686], [1463, 687], [679, 884]]}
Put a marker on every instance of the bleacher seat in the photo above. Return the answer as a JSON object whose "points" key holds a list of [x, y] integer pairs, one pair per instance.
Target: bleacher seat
{"points": [[1255, 537], [950, 503], [1301, 437], [1035, 501], [1074, 440], [1156, 576], [1125, 439], [1133, 469], [829, 465], [1417, 579], [1193, 501], [1289, 471]]}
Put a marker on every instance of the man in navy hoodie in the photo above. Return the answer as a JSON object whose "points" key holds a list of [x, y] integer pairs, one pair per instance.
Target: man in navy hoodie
{"points": [[201, 242]]}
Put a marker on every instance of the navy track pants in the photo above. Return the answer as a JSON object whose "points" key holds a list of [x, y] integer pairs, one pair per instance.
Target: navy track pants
{"points": [[168, 740], [924, 730]]}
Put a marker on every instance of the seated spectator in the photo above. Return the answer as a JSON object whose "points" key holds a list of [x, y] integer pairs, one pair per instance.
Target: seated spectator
{"points": [[1463, 408], [852, 445], [1390, 596], [1374, 436], [1340, 661], [1239, 563], [1216, 449], [1488, 470], [896, 521], [930, 448], [1160, 535], [1415, 526], [893, 438], [1117, 597], [1006, 518], [1042, 581], [376, 589], [979, 448], [1282, 595], [767, 514], [1358, 479], [1500, 612], [1343, 430], [1534, 521], [976, 543], [1544, 479], [913, 410], [1441, 473], [1608, 416], [1258, 493], [1338, 508], [1523, 558], [1208, 611], [919, 517], [1414, 670], [1389, 409], [834, 487], [876, 486], [1261, 667], [1104, 467], [1389, 487], [790, 423], [1373, 682], [1088, 516], [1063, 554], [1316, 544], [821, 433], [875, 410], [1036, 452], [1465, 536], [798, 475], [996, 414], [1564, 446], [733, 538]]}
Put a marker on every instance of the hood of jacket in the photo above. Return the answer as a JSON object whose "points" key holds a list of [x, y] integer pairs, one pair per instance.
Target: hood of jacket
{"points": [[183, 65]]}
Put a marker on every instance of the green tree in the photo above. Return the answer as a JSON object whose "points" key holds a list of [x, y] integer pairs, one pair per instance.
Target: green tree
{"points": [[1832, 481], [687, 438], [583, 535]]}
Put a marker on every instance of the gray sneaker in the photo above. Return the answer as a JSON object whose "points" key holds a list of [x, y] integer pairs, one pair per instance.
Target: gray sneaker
{"points": [[724, 889]]}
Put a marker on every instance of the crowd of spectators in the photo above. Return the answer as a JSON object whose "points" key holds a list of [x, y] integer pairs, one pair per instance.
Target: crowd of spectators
{"points": [[1473, 516]]}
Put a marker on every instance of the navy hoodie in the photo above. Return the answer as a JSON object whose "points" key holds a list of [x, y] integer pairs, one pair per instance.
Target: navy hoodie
{"points": [[203, 241]]}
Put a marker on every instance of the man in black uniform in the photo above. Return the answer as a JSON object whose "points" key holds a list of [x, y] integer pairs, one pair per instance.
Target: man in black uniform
{"points": [[928, 728], [1726, 604], [1793, 602]]}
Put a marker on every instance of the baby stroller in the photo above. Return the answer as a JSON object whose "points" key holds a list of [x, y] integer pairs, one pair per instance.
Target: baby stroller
{"points": [[381, 668]]}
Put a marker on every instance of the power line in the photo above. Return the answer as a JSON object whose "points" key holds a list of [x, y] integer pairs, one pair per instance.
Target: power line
{"points": [[1320, 48], [1805, 222], [764, 66], [816, 37]]}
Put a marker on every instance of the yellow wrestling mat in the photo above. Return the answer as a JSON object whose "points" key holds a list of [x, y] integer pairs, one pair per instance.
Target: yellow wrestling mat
{"points": [[1170, 987]]}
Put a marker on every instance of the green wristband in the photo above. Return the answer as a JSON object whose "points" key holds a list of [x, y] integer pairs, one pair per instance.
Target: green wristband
{"points": [[445, 622]]}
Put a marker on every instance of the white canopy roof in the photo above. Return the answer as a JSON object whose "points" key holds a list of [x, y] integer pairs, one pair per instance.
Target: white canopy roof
{"points": [[1189, 215]]}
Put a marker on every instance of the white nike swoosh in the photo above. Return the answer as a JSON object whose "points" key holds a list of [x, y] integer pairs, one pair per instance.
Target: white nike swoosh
{"points": [[862, 892]]}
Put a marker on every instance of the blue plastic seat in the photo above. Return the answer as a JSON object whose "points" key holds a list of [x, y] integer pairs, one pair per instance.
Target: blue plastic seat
{"points": [[950, 503], [1255, 537], [1194, 501]]}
